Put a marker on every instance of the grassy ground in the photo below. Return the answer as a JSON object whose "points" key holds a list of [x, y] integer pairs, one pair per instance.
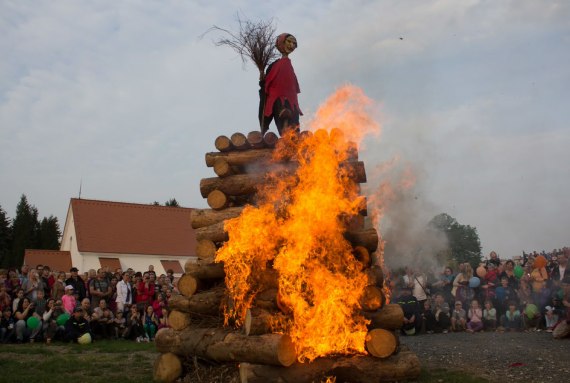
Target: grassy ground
{"points": [[122, 361], [103, 361]]}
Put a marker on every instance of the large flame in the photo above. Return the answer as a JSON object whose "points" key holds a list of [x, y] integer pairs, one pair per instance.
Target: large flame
{"points": [[297, 229]]}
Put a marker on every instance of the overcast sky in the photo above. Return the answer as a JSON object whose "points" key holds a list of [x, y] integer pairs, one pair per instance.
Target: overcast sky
{"points": [[473, 96]]}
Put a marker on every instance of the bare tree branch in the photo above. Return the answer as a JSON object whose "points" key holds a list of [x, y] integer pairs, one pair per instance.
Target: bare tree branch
{"points": [[254, 41]]}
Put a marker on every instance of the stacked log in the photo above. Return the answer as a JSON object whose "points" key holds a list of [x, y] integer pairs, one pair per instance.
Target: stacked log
{"points": [[195, 316]]}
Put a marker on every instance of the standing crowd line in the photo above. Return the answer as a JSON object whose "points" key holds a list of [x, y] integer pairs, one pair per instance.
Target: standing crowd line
{"points": [[44, 305], [530, 295]]}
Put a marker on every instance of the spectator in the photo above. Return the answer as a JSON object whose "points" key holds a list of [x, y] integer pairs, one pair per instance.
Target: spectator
{"points": [[560, 271], [134, 330], [68, 299], [51, 328], [32, 285], [417, 282], [489, 316], [409, 306], [24, 312], [550, 318], [17, 299], [511, 320], [124, 293], [493, 259], [489, 282], [444, 284], [77, 283], [428, 318], [150, 323], [509, 273], [461, 290], [562, 330], [120, 324], [58, 287], [475, 315], [76, 326], [100, 288], [7, 326], [5, 300], [158, 304], [441, 314], [102, 321], [145, 292], [538, 279], [504, 294], [163, 320], [458, 318]]}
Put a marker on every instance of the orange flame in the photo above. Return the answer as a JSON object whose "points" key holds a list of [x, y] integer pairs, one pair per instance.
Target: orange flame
{"points": [[297, 229]]}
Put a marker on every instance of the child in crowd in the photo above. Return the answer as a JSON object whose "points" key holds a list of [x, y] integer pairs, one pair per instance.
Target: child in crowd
{"points": [[531, 317], [120, 324], [475, 315], [503, 295], [441, 314], [458, 318], [150, 323], [7, 326], [489, 316], [428, 318], [68, 300], [163, 320], [550, 318], [511, 320]]}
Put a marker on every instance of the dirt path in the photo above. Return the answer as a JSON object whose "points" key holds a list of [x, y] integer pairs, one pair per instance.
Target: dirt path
{"points": [[508, 357]]}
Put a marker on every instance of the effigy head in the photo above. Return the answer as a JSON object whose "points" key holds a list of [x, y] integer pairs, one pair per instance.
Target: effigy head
{"points": [[286, 43]]}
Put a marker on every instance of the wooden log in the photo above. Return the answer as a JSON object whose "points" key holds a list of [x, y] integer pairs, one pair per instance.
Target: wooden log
{"points": [[355, 369], [367, 238], [205, 270], [243, 158], [222, 345], [389, 317], [239, 141], [372, 298], [167, 368], [355, 170], [223, 169], [223, 144], [259, 321], [204, 303], [270, 139], [267, 299], [218, 200], [381, 343], [206, 217], [236, 185], [255, 139], [206, 250], [188, 285], [178, 320], [215, 233]]}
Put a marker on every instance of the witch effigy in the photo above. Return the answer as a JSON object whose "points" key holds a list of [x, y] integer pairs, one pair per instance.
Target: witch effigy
{"points": [[278, 90], [256, 42]]}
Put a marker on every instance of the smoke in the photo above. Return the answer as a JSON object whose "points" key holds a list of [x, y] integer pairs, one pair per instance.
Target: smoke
{"points": [[400, 213]]}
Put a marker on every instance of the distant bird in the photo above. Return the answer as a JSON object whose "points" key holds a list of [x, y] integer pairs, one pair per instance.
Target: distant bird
{"points": [[401, 38]]}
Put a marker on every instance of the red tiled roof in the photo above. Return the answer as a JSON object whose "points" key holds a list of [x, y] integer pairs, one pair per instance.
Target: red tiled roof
{"points": [[128, 228], [55, 259]]}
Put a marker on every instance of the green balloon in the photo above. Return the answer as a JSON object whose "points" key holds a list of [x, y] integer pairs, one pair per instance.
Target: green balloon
{"points": [[33, 322], [62, 319], [530, 310], [518, 271]]}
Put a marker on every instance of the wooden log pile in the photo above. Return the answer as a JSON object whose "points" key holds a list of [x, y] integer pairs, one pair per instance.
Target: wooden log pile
{"points": [[195, 316]]}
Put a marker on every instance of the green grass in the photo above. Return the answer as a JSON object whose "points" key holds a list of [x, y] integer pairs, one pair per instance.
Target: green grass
{"points": [[103, 361], [123, 361]]}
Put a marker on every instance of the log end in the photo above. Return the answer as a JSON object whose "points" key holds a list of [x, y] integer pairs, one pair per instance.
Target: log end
{"points": [[167, 368], [187, 285], [381, 343], [178, 320], [286, 353]]}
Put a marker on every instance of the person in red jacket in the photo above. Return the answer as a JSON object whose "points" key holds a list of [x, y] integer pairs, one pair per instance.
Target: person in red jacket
{"points": [[145, 292], [279, 89]]}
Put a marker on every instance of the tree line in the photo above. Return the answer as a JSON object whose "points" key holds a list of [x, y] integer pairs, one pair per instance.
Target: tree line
{"points": [[26, 231]]}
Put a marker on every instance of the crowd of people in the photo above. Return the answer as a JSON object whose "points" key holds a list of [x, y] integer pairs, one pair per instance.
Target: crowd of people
{"points": [[531, 294], [45, 305]]}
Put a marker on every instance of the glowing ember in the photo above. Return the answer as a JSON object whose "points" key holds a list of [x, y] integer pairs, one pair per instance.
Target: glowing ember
{"points": [[297, 229]]}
